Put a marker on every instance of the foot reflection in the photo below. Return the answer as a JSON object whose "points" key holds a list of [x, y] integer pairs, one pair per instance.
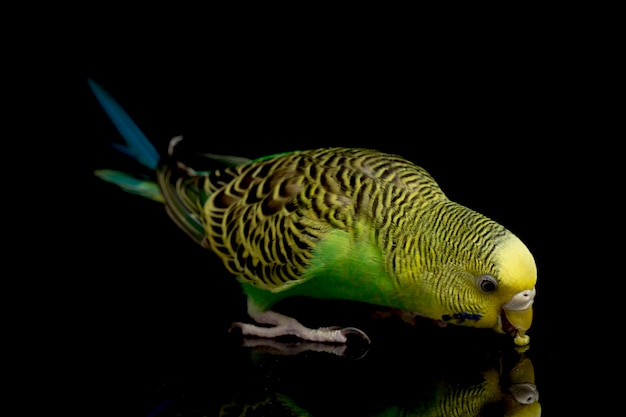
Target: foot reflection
{"points": [[302, 379]]}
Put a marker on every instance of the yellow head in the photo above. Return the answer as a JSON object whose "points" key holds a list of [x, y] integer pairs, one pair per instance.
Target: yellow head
{"points": [[470, 271], [517, 276]]}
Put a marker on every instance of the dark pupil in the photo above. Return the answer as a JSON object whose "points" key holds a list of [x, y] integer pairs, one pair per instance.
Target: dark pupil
{"points": [[488, 286]]}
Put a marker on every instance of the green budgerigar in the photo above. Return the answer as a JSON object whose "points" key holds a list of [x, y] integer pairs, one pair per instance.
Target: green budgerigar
{"points": [[339, 223]]}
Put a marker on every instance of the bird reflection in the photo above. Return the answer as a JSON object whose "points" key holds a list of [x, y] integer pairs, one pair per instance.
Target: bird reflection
{"points": [[436, 385]]}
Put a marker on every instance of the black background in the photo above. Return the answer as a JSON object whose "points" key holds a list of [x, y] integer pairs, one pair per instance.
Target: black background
{"points": [[508, 126]]}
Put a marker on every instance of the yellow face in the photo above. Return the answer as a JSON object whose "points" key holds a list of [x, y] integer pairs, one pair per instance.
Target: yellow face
{"points": [[517, 265], [500, 299], [516, 290]]}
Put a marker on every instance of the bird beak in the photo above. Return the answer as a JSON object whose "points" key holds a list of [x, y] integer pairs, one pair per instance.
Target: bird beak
{"points": [[519, 314]]}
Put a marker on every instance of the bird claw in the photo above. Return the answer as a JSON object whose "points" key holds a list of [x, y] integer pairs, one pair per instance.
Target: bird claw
{"points": [[236, 325], [353, 330], [269, 333], [274, 325]]}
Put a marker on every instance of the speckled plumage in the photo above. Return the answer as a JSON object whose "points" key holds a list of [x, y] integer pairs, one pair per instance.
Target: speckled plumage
{"points": [[354, 224], [265, 218]]}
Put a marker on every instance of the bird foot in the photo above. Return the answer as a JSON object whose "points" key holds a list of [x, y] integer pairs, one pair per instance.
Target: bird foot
{"points": [[280, 325]]}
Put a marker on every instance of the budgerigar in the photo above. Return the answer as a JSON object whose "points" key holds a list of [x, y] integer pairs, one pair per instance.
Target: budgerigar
{"points": [[339, 223]]}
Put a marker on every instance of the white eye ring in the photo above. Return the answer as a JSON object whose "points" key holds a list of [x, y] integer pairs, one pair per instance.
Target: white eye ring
{"points": [[487, 283]]}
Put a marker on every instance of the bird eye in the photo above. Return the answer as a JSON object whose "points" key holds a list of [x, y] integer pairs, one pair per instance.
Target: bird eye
{"points": [[487, 283]]}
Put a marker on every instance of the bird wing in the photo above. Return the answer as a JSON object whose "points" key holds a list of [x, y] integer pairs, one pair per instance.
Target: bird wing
{"points": [[264, 218]]}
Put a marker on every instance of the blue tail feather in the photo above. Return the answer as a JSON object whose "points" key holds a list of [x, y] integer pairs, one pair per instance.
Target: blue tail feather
{"points": [[137, 144]]}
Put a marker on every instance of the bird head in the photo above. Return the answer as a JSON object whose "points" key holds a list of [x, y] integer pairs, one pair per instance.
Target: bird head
{"points": [[477, 274], [498, 294]]}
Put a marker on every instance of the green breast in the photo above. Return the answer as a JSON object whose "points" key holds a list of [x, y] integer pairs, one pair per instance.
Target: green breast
{"points": [[347, 266]]}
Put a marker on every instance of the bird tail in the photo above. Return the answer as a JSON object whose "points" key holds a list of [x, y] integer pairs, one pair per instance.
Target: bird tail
{"points": [[183, 189], [136, 145]]}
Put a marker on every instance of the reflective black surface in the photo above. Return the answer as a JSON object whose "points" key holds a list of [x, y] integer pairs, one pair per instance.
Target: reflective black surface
{"points": [[158, 307], [398, 376]]}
